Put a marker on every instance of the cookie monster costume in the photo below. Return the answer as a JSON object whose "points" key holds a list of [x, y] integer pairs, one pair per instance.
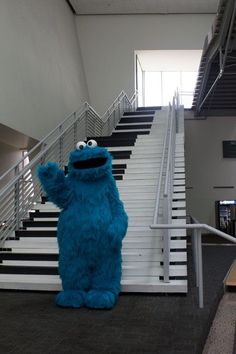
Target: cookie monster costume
{"points": [[91, 226]]}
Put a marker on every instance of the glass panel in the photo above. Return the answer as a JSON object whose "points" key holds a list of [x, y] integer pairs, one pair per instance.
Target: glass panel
{"points": [[188, 82], [139, 83], [153, 89], [170, 83], [161, 86]]}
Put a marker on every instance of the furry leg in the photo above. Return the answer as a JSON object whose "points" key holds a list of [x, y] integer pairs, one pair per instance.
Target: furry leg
{"points": [[71, 298], [100, 299], [75, 282], [105, 285]]}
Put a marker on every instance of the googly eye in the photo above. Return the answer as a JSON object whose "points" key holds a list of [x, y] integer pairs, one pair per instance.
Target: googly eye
{"points": [[80, 145], [92, 143]]}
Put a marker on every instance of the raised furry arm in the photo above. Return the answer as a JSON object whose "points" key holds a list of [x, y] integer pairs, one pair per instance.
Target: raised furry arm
{"points": [[54, 184]]}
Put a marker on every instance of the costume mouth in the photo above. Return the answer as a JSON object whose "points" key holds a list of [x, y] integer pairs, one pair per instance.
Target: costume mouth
{"points": [[90, 163]]}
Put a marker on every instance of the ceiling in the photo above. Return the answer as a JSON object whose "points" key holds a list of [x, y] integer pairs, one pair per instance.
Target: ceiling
{"points": [[14, 138], [105, 7], [169, 60]]}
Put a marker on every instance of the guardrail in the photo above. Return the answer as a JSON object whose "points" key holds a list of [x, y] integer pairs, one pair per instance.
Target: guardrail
{"points": [[163, 208], [197, 247], [21, 186], [166, 181]]}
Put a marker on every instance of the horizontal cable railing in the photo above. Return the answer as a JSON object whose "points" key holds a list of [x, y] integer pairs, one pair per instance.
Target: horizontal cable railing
{"points": [[21, 188]]}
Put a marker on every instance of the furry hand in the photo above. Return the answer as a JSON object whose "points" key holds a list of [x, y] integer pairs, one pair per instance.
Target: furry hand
{"points": [[50, 171]]}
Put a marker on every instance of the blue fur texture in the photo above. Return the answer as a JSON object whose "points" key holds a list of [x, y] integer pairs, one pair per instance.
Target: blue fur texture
{"points": [[91, 226]]}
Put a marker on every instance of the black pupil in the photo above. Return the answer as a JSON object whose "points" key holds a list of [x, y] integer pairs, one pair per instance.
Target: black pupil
{"points": [[90, 143], [81, 147]]}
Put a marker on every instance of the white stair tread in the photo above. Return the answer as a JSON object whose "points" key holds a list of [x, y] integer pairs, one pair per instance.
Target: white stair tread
{"points": [[141, 176], [179, 196], [53, 283], [152, 284], [178, 175], [179, 188], [30, 263], [181, 212], [131, 242]]}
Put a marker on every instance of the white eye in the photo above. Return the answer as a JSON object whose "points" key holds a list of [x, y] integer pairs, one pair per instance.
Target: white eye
{"points": [[80, 145], [92, 143]]}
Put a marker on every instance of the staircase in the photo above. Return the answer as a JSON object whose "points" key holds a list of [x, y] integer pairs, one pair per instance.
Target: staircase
{"points": [[29, 260], [216, 85]]}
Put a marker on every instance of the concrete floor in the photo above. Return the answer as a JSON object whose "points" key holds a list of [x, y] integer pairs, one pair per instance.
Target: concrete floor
{"points": [[139, 323], [222, 334]]}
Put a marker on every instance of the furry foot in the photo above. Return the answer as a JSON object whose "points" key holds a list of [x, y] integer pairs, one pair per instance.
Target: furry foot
{"points": [[70, 298], [99, 299]]}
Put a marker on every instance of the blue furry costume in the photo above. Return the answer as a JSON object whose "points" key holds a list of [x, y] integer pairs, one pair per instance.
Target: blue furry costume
{"points": [[91, 226]]}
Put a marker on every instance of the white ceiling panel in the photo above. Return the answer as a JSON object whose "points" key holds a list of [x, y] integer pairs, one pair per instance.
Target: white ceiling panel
{"points": [[96, 7], [169, 60]]}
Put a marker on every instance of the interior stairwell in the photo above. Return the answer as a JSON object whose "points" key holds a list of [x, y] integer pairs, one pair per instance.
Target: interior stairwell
{"points": [[29, 259]]}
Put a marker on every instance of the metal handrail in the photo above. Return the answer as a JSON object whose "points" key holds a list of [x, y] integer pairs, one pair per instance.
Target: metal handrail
{"points": [[81, 110], [22, 187], [197, 245], [161, 174], [166, 178], [171, 144]]}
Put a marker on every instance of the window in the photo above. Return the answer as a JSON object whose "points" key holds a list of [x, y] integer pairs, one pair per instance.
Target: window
{"points": [[160, 87], [153, 89]]}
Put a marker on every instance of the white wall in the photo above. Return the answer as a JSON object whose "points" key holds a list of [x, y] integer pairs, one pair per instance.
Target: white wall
{"points": [[206, 167], [108, 44], [9, 155], [41, 73]]}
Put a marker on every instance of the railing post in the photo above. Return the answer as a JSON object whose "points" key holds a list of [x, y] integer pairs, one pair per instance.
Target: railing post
{"points": [[108, 123], [166, 242], [60, 147], [114, 118], [200, 269], [119, 115], [126, 104], [195, 254], [17, 199], [177, 113], [86, 121], [75, 130]]}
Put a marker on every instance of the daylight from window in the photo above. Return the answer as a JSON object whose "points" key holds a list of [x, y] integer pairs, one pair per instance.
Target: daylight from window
{"points": [[161, 73], [161, 86]]}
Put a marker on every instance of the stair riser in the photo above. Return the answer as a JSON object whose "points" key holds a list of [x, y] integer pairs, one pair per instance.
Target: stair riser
{"points": [[132, 232], [126, 271], [128, 120]]}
